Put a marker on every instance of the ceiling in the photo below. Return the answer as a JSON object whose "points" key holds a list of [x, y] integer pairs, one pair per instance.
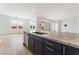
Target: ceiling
{"points": [[49, 10]]}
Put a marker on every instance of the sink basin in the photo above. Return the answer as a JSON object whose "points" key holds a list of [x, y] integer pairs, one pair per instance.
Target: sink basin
{"points": [[41, 33]]}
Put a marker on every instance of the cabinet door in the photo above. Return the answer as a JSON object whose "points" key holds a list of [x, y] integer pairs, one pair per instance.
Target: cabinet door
{"points": [[71, 50], [37, 46], [30, 43]]}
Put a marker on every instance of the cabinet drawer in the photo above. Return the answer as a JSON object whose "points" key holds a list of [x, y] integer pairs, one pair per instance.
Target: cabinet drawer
{"points": [[53, 45], [51, 51]]}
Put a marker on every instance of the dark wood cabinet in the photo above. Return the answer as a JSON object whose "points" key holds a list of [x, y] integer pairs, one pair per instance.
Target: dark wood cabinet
{"points": [[35, 44], [43, 46], [52, 48], [30, 43], [38, 45], [71, 50]]}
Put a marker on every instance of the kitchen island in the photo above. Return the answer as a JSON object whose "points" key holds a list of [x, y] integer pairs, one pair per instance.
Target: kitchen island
{"points": [[54, 43]]}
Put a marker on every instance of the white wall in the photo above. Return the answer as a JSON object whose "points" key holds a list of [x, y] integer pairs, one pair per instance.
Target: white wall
{"points": [[4, 24], [76, 27], [71, 25]]}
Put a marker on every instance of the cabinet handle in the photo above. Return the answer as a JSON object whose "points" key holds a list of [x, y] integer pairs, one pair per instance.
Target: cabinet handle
{"points": [[50, 49], [63, 50], [49, 44]]}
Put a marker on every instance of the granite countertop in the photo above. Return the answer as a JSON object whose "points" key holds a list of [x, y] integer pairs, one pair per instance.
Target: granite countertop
{"points": [[70, 39]]}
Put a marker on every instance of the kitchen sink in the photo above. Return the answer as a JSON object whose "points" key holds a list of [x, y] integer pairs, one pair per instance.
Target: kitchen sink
{"points": [[41, 33]]}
